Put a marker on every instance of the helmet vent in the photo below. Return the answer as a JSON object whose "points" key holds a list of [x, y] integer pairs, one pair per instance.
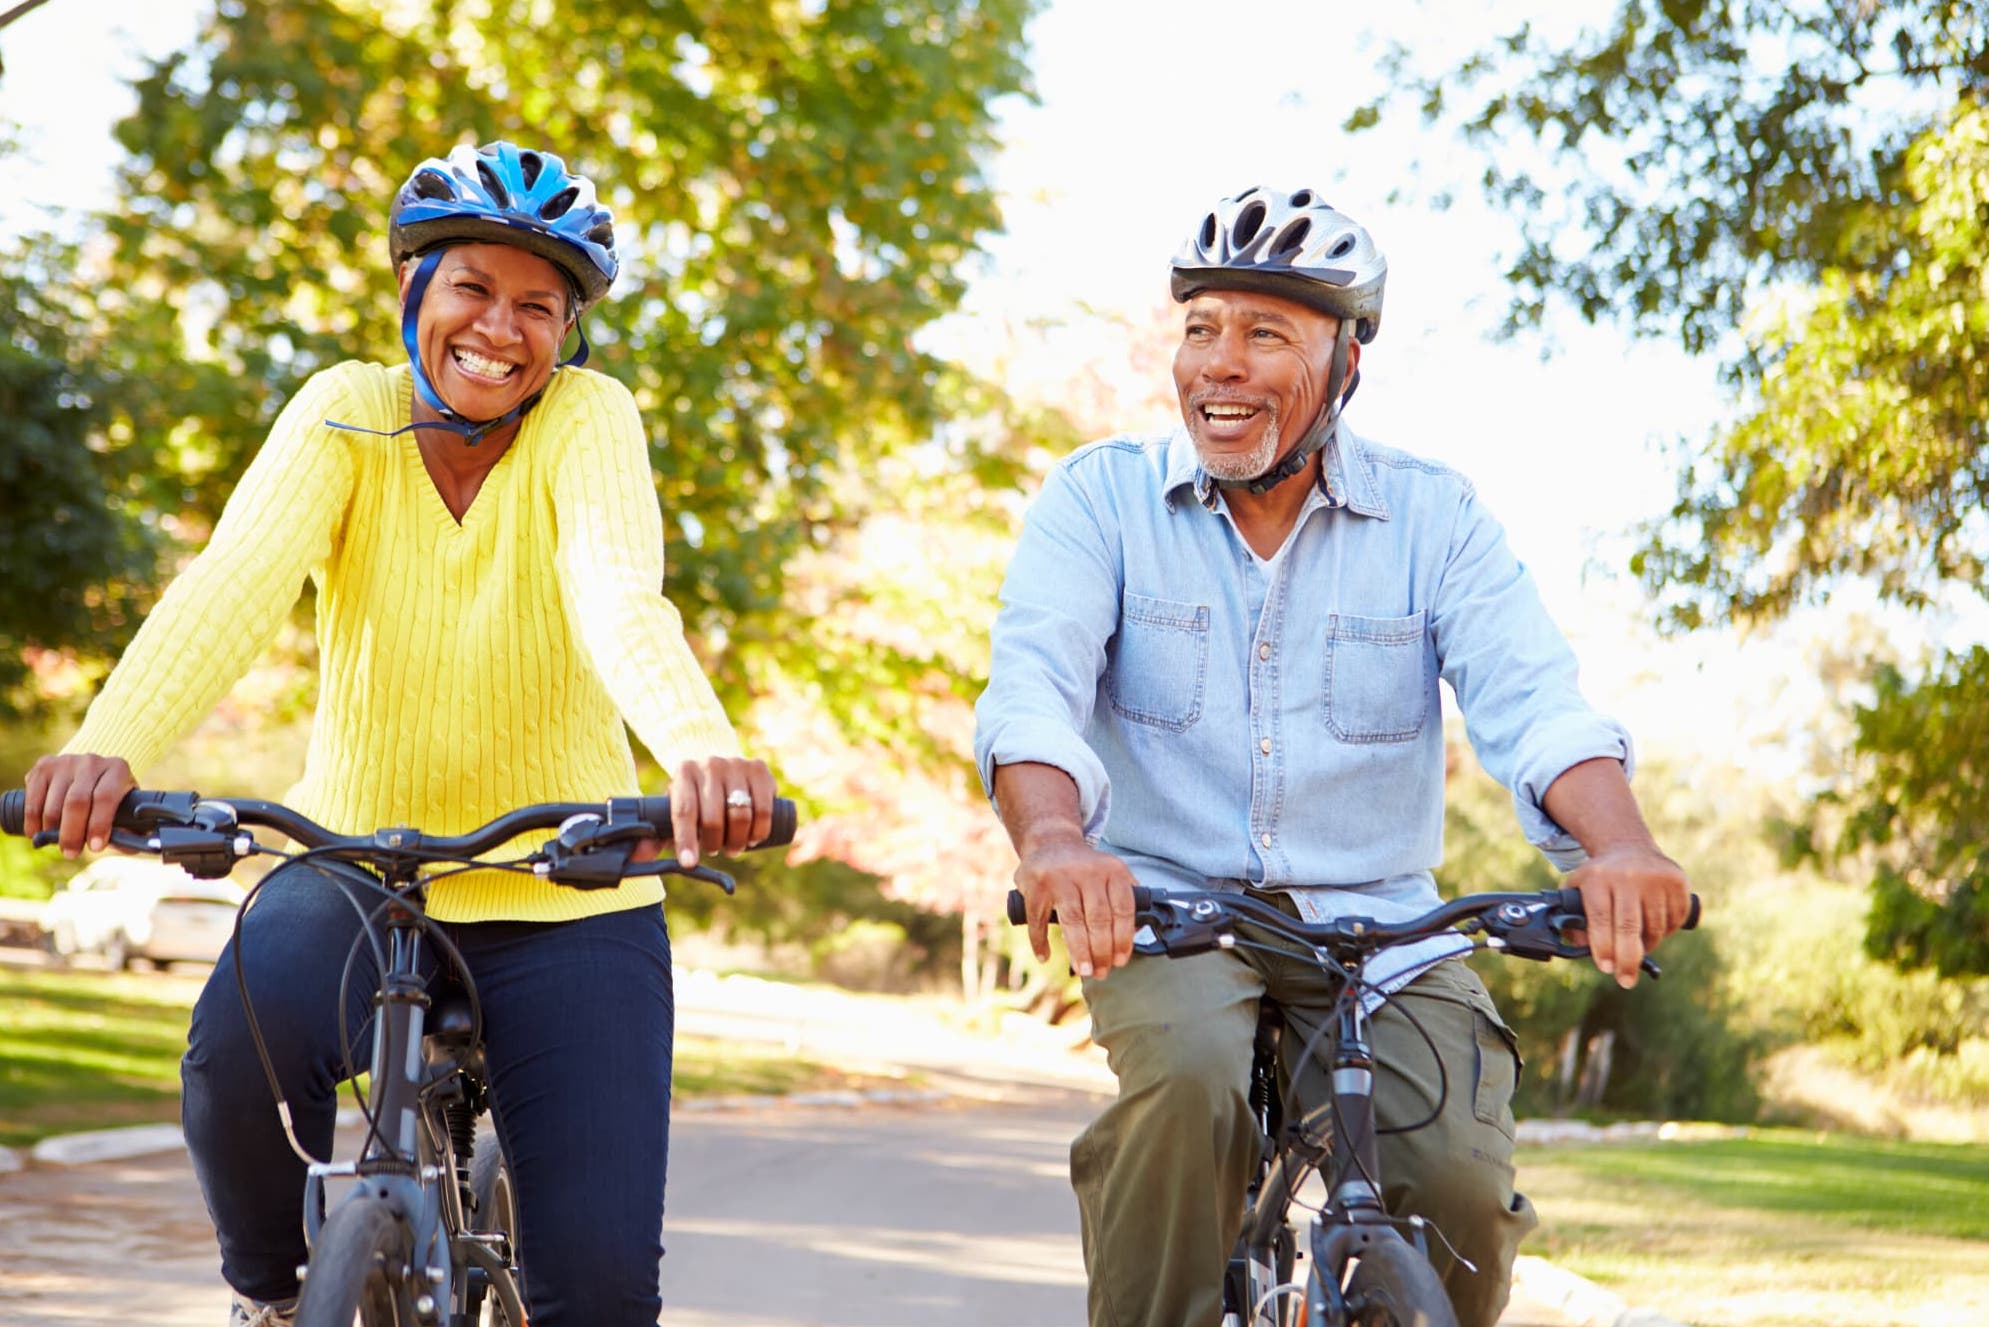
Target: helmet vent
{"points": [[1208, 232], [1248, 222], [529, 165], [1292, 238], [602, 234], [1303, 198], [492, 185], [1343, 248], [431, 184], [557, 205]]}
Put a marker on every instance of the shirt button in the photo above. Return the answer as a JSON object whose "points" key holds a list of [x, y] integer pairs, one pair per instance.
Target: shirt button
{"points": [[1264, 651], [1265, 746], [1264, 839]]}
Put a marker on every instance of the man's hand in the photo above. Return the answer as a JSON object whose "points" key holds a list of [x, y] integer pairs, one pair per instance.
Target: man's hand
{"points": [[1634, 898], [1092, 893], [724, 804], [78, 795]]}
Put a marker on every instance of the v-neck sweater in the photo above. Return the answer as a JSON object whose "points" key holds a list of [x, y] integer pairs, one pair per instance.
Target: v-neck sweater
{"points": [[465, 667]]}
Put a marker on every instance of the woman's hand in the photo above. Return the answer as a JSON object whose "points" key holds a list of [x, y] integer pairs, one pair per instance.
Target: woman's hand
{"points": [[78, 795], [723, 804]]}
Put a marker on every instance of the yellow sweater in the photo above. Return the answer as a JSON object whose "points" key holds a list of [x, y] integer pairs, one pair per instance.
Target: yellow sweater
{"points": [[464, 669]]}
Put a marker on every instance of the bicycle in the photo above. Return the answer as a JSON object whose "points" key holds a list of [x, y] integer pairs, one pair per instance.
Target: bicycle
{"points": [[425, 1236], [1366, 1271]]}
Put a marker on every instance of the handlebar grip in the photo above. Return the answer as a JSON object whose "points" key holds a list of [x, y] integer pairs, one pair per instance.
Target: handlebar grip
{"points": [[1018, 908], [656, 810], [140, 809], [1570, 900]]}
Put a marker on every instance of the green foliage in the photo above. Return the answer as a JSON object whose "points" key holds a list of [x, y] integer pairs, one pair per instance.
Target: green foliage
{"points": [[76, 557], [27, 873], [1916, 805], [1693, 152], [1816, 174], [782, 903], [1863, 452], [797, 189], [1681, 1049]]}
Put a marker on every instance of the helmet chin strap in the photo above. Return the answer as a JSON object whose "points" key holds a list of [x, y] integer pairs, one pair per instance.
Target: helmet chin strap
{"points": [[1322, 428], [470, 431]]}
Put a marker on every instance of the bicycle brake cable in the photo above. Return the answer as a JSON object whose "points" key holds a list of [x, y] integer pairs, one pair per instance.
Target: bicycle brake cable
{"points": [[254, 1025]]}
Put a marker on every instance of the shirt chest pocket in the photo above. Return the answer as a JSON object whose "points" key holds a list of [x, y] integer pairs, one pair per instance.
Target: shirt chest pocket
{"points": [[1159, 668], [1379, 677]]}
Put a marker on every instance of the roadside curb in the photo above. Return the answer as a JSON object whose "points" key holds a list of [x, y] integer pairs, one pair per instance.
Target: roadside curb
{"points": [[77, 1149], [1587, 1303]]}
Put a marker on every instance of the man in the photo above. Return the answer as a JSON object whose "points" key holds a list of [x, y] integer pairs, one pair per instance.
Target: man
{"points": [[1216, 666]]}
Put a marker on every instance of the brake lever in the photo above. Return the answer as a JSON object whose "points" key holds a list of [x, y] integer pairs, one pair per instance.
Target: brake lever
{"points": [[1539, 932], [1180, 931], [671, 866]]}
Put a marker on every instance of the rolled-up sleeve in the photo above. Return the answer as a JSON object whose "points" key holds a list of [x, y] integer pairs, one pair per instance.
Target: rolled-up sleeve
{"points": [[1515, 678], [1059, 609]]}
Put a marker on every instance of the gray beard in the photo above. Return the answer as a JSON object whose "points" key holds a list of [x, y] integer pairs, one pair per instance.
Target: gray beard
{"points": [[1243, 465]]}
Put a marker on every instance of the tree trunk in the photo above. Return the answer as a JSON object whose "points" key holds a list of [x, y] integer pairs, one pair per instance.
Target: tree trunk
{"points": [[1595, 1074], [970, 956], [1570, 1060]]}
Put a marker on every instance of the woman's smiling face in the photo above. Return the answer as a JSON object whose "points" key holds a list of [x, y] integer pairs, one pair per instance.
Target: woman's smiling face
{"points": [[490, 327]]}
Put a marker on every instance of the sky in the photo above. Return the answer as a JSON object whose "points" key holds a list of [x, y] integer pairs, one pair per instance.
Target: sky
{"points": [[1146, 115]]}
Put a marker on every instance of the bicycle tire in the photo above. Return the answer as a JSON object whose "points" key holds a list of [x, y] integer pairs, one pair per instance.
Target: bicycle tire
{"points": [[356, 1270], [1394, 1285], [497, 1210]]}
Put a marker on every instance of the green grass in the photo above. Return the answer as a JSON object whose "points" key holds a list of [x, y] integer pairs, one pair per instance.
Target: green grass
{"points": [[1779, 1229], [89, 1051], [94, 1050]]}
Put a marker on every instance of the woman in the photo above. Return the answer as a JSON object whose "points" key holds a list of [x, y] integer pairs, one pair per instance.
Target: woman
{"points": [[484, 535]]}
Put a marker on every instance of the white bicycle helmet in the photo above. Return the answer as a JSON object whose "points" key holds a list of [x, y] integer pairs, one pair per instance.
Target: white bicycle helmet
{"points": [[1299, 247], [1294, 245]]}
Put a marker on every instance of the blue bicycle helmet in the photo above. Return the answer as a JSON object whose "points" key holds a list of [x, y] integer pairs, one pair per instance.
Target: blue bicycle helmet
{"points": [[504, 194], [496, 194]]}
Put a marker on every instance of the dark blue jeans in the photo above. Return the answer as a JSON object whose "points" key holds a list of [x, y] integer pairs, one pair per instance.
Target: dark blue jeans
{"points": [[578, 1021]]}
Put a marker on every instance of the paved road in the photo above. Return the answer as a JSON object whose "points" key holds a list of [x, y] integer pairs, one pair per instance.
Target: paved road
{"points": [[778, 1217], [955, 1211], [879, 1216]]}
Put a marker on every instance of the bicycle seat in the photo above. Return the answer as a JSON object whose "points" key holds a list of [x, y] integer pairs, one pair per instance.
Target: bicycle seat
{"points": [[451, 1022]]}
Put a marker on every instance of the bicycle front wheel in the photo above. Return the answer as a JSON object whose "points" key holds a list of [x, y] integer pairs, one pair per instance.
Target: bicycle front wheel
{"points": [[496, 1212], [358, 1270], [1393, 1285]]}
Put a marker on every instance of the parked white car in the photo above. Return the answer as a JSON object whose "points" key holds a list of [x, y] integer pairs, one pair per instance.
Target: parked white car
{"points": [[125, 908]]}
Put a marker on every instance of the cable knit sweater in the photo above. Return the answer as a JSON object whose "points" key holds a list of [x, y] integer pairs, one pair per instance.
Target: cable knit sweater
{"points": [[464, 668]]}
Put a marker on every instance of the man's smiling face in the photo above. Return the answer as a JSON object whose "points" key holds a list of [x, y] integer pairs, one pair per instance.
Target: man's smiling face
{"points": [[1251, 372]]}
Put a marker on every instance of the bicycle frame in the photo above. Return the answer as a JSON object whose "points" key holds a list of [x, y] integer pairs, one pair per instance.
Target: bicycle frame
{"points": [[1261, 1269], [412, 1159]]}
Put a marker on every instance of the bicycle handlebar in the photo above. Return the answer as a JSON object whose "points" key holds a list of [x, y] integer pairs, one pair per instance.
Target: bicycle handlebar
{"points": [[1528, 924], [200, 834]]}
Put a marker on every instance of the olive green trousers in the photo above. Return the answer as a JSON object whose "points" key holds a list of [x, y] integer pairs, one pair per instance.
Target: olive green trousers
{"points": [[1160, 1175]]}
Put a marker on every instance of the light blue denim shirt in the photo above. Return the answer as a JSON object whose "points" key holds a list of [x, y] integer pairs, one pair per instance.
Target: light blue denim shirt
{"points": [[1231, 719]]}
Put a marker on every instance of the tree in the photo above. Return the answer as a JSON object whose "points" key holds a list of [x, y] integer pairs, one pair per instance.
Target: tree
{"points": [[77, 560], [797, 189], [1803, 186], [1678, 1048]]}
